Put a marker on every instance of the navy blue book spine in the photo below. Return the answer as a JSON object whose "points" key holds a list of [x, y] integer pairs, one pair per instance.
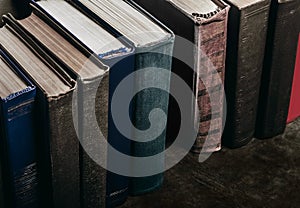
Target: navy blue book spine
{"points": [[18, 144], [120, 66], [117, 185]]}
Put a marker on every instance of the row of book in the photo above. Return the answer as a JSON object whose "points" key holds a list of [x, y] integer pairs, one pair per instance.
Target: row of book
{"points": [[64, 49]]}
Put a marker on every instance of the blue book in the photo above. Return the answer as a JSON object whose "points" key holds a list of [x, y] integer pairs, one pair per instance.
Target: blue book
{"points": [[153, 44], [117, 55], [18, 140], [57, 143]]}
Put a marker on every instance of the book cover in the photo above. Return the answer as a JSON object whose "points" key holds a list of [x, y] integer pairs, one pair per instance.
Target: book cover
{"points": [[18, 140], [57, 144], [294, 109], [149, 48], [279, 65], [248, 23], [88, 71], [207, 30], [117, 54]]}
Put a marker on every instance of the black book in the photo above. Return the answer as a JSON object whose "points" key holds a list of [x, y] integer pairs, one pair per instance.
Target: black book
{"points": [[279, 67]]}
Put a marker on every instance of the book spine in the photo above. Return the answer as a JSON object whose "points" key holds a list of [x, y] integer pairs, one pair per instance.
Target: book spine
{"points": [[117, 185], [246, 44], [212, 37], [145, 101], [19, 147], [172, 17], [93, 176], [64, 153], [278, 68]]}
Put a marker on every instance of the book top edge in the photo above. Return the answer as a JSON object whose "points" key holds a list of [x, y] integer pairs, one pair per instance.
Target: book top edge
{"points": [[92, 35], [10, 81], [241, 4], [199, 12], [129, 20]]}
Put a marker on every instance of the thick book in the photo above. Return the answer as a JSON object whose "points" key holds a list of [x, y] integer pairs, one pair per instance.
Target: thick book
{"points": [[153, 44], [204, 25], [110, 51], [18, 140], [294, 109], [247, 32], [117, 54], [57, 143], [279, 65]]}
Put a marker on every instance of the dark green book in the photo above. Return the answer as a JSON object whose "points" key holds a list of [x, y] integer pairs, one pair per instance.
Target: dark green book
{"points": [[153, 44]]}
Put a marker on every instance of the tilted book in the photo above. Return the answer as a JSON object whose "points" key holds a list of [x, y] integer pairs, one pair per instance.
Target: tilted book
{"points": [[153, 44], [18, 141], [57, 142], [109, 50], [279, 65], [247, 31], [204, 25], [294, 109]]}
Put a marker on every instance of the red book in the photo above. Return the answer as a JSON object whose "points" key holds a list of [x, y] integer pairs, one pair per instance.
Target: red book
{"points": [[294, 110]]}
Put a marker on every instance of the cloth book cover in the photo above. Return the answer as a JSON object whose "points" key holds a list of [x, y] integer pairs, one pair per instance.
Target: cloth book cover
{"points": [[115, 54], [294, 109], [88, 70], [152, 49], [207, 30], [18, 141], [279, 65], [247, 25], [57, 143]]}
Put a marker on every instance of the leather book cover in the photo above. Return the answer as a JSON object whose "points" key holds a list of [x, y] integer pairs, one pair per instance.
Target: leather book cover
{"points": [[18, 141], [208, 32], [279, 65], [294, 109], [57, 143], [247, 31]]}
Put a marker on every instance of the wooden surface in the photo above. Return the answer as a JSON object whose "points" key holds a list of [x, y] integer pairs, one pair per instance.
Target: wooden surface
{"points": [[265, 173]]}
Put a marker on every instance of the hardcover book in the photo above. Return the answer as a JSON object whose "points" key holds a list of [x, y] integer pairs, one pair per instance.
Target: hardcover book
{"points": [[57, 143], [279, 65], [247, 29], [115, 54], [18, 149], [153, 44], [294, 109], [204, 24]]}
